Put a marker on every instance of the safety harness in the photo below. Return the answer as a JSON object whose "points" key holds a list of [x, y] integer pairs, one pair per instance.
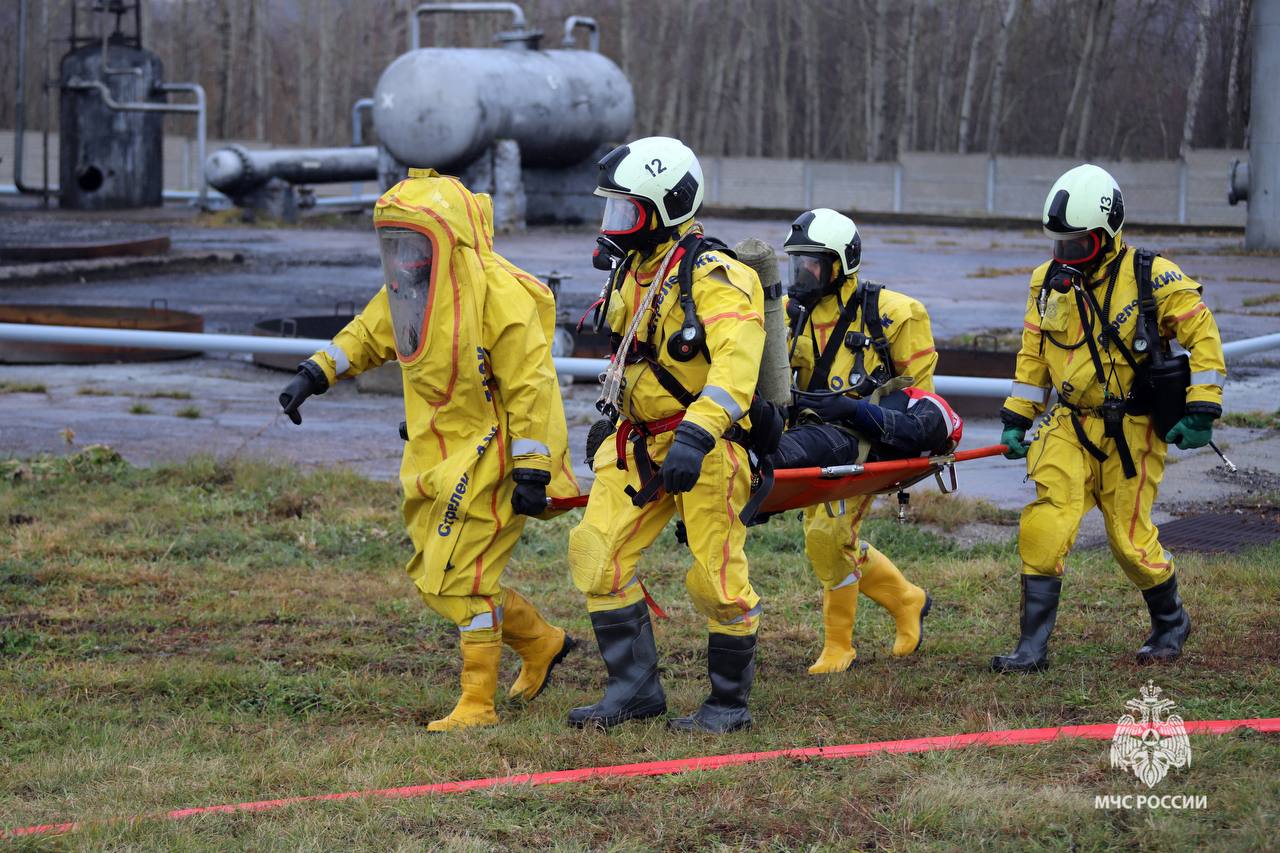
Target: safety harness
{"points": [[685, 256], [871, 332], [1139, 398]]}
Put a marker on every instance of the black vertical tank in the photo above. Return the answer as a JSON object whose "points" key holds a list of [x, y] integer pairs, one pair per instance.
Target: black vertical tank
{"points": [[111, 159]]}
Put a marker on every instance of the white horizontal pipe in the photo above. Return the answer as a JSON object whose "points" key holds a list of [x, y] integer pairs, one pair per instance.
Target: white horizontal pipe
{"points": [[1248, 346], [579, 368]]}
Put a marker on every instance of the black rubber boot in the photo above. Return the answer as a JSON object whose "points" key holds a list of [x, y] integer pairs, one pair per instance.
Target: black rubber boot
{"points": [[731, 664], [631, 658], [1170, 623], [1040, 596]]}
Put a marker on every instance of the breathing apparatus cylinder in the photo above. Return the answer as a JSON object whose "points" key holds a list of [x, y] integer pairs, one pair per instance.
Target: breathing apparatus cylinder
{"points": [[774, 383]]}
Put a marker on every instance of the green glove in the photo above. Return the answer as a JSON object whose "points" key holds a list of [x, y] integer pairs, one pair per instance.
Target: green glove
{"points": [[1015, 439], [1191, 432]]}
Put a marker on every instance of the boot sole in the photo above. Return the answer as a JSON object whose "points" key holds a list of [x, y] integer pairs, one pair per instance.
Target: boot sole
{"points": [[695, 728], [610, 722], [1152, 659], [1004, 669], [924, 611], [569, 645]]}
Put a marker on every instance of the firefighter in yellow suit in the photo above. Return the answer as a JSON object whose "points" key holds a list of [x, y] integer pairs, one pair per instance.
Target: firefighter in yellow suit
{"points": [[689, 326], [1099, 445], [486, 434], [833, 346]]}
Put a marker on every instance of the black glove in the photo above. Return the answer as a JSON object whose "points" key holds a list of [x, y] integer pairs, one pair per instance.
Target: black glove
{"points": [[830, 407], [310, 380], [683, 464], [530, 496]]}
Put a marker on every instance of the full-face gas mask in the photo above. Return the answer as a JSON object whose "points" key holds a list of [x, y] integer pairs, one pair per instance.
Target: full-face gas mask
{"points": [[627, 226], [813, 276], [407, 257]]}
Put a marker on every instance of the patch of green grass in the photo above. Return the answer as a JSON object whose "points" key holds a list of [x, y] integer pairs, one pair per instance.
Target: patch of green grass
{"points": [[89, 391], [190, 412], [1253, 279], [141, 409], [999, 272], [1269, 299], [169, 395], [1252, 420], [223, 631], [9, 387]]}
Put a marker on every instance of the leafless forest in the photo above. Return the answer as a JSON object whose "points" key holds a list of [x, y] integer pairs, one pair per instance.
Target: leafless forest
{"points": [[825, 79]]}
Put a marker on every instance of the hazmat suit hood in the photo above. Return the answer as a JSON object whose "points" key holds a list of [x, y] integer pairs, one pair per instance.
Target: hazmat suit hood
{"points": [[456, 226]]}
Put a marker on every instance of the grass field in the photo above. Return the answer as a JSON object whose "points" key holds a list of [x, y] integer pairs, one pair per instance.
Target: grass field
{"points": [[219, 632]]}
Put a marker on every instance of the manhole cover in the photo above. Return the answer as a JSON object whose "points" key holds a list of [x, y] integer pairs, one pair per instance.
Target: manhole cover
{"points": [[1221, 531]]}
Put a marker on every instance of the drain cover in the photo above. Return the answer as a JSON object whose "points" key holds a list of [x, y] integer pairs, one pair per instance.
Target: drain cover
{"points": [[1221, 531]]}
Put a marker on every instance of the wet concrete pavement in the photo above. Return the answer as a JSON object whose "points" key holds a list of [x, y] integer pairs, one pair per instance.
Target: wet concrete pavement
{"points": [[972, 280]]}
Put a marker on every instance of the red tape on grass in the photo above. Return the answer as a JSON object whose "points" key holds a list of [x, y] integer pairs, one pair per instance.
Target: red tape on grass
{"points": [[1011, 737]]}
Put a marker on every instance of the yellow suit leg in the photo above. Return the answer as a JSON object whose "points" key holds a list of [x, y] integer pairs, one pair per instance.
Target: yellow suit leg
{"points": [[1126, 506], [837, 556], [717, 581], [606, 545], [1061, 470]]}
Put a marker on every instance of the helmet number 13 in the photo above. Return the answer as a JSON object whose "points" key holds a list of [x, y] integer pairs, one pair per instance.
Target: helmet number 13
{"points": [[655, 167]]}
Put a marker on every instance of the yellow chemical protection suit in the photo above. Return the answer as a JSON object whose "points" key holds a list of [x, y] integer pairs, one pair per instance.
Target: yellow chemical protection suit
{"points": [[843, 563], [1069, 480], [481, 400], [605, 546]]}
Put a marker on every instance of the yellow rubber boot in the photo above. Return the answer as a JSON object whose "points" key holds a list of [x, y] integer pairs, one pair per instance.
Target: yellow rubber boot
{"points": [[907, 603], [540, 644], [839, 610], [479, 681]]}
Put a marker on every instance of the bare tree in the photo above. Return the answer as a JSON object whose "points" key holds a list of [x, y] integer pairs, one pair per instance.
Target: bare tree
{"points": [[1096, 71], [907, 121], [1233, 73], [1197, 77], [970, 76], [1081, 76], [944, 75], [995, 117], [878, 80]]}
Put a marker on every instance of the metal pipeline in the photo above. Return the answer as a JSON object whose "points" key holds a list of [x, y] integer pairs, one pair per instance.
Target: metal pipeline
{"points": [[197, 108], [357, 130], [20, 120], [574, 22], [517, 16], [579, 368], [237, 171]]}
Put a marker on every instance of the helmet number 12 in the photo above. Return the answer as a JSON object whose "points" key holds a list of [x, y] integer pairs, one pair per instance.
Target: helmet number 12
{"points": [[655, 167]]}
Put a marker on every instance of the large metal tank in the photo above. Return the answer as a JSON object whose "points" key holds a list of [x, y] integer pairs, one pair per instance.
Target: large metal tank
{"points": [[109, 158], [442, 107]]}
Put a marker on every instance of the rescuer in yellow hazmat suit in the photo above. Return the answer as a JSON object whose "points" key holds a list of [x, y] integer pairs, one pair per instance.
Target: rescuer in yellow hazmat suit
{"points": [[486, 434], [847, 334], [688, 324], [1102, 444]]}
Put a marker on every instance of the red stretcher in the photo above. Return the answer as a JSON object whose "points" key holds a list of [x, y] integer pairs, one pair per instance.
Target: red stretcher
{"points": [[796, 488]]}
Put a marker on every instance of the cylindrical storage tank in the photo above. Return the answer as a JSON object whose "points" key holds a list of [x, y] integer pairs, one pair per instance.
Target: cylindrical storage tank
{"points": [[109, 158], [441, 107]]}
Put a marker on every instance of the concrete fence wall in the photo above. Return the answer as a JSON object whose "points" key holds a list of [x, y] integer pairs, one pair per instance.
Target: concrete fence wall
{"points": [[1193, 191]]}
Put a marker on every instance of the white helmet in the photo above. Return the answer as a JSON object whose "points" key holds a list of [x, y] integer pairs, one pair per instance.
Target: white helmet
{"points": [[658, 169], [826, 230], [1086, 200]]}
